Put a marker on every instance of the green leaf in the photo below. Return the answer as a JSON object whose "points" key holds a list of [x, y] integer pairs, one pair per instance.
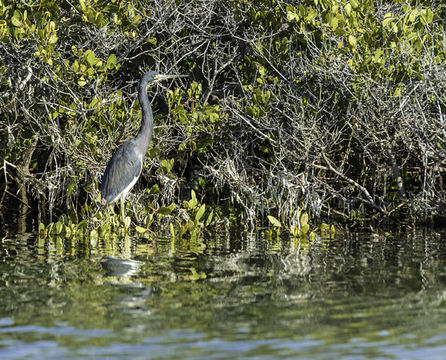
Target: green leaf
{"points": [[140, 229], [167, 165], [303, 220], [53, 39], [151, 40], [42, 232], [354, 3], [111, 62], [387, 19], [81, 81], [378, 54], [49, 228], [193, 201], [291, 13], [83, 225], [413, 15], [94, 237], [68, 231], [148, 220], [16, 19], [75, 66], [274, 221], [166, 210], [93, 103], [172, 230], [104, 229], [210, 217], [58, 228], [127, 221], [200, 212], [334, 23], [153, 190], [203, 144], [89, 54], [352, 40], [427, 16], [348, 9], [324, 228], [71, 186]]}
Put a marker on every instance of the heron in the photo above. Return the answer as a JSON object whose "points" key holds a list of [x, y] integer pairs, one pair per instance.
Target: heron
{"points": [[125, 166]]}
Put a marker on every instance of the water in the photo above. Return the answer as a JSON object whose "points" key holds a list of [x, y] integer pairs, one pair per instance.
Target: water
{"points": [[352, 297]]}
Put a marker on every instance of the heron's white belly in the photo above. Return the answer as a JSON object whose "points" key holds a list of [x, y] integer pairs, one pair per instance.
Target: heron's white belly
{"points": [[128, 188]]}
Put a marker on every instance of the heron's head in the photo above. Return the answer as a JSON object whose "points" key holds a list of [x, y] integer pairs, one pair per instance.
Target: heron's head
{"points": [[152, 76], [159, 77]]}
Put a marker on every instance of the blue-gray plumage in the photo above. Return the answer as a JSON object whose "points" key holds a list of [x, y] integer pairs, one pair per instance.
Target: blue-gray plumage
{"points": [[125, 165]]}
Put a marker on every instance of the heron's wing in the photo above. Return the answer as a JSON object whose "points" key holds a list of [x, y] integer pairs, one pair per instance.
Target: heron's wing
{"points": [[122, 170]]}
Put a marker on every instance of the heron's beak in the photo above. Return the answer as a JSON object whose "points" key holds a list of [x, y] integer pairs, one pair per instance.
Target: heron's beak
{"points": [[163, 76]]}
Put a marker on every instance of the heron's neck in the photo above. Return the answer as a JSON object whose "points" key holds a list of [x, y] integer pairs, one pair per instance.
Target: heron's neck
{"points": [[145, 132]]}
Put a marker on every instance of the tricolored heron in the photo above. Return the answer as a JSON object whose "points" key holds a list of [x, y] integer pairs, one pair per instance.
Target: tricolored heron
{"points": [[125, 165]]}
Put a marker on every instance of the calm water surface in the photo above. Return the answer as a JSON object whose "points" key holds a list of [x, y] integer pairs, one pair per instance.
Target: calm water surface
{"points": [[352, 297]]}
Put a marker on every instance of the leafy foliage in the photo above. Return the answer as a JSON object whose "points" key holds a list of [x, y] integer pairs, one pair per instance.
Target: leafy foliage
{"points": [[337, 105]]}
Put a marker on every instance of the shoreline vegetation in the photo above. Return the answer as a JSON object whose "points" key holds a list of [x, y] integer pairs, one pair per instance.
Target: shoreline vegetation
{"points": [[294, 114]]}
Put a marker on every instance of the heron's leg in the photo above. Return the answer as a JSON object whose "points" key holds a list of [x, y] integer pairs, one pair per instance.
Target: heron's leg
{"points": [[122, 208]]}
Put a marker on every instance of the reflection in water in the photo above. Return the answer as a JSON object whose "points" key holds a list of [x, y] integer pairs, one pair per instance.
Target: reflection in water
{"points": [[358, 297], [120, 268]]}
